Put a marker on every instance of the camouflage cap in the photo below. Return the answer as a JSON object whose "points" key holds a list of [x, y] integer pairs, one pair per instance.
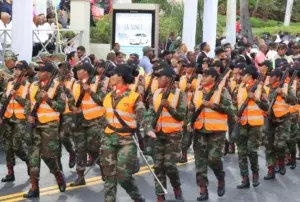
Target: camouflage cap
{"points": [[45, 54], [10, 55], [59, 56], [37, 59]]}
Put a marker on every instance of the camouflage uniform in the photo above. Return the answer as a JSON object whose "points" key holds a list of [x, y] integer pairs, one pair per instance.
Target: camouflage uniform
{"points": [[208, 144], [87, 134], [119, 156], [167, 147], [14, 138], [44, 143], [278, 134], [248, 139]]}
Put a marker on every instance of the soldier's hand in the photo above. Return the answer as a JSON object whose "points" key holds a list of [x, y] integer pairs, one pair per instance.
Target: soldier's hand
{"points": [[44, 95], [13, 92], [189, 127], [86, 87], [207, 104], [236, 119], [76, 110], [279, 91], [152, 134], [189, 86], [165, 103], [251, 95], [31, 119]]}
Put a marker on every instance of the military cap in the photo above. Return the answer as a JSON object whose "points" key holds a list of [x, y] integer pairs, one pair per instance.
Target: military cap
{"points": [[10, 55], [47, 67], [277, 73], [165, 70], [22, 65], [59, 56], [210, 72], [45, 54], [37, 59]]}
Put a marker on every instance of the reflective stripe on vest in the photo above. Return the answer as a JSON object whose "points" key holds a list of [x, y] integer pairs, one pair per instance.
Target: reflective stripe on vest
{"points": [[45, 113], [232, 85], [154, 84], [252, 115], [280, 107], [125, 109], [210, 119], [90, 109], [68, 85], [13, 106], [166, 123]]}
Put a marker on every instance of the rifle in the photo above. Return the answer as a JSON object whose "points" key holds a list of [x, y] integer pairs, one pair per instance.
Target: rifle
{"points": [[285, 74], [147, 92], [39, 101], [293, 77], [15, 87], [235, 131], [208, 97]]}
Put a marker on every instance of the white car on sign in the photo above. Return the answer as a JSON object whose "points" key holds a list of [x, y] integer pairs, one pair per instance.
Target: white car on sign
{"points": [[138, 39]]}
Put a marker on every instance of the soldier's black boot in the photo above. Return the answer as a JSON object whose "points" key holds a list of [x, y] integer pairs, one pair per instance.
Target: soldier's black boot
{"points": [[203, 194], [137, 167], [255, 180], [271, 174], [244, 184], [80, 179], [161, 198], [226, 148], [142, 199], [276, 168], [293, 164], [10, 177], [28, 169], [72, 159], [34, 192], [90, 161], [231, 148], [61, 182], [178, 194], [183, 157], [221, 187], [282, 169]]}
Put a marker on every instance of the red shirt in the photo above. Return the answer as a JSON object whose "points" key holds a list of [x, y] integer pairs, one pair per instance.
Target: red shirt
{"points": [[238, 27]]}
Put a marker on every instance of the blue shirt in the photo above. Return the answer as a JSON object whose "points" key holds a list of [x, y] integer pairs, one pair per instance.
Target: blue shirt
{"points": [[146, 64]]}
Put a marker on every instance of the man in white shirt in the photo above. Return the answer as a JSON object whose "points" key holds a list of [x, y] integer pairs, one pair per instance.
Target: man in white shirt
{"points": [[45, 29], [5, 25], [272, 51]]}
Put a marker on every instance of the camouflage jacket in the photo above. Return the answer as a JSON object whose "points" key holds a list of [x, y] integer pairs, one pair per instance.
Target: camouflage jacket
{"points": [[178, 113], [225, 106]]}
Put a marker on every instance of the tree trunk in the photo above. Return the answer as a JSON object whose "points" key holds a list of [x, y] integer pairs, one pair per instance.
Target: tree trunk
{"points": [[255, 9], [288, 12], [245, 20]]}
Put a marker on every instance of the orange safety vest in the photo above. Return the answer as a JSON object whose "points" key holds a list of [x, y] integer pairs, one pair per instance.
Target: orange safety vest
{"points": [[252, 115], [45, 113], [125, 108], [90, 109], [232, 85], [210, 119], [166, 123], [294, 108], [68, 85], [13, 106], [183, 85], [154, 84], [280, 107]]}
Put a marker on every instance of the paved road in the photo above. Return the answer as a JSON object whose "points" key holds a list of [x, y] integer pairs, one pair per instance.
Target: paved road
{"points": [[283, 189]]}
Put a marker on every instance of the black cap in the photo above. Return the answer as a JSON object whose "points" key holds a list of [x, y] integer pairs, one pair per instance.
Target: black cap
{"points": [[267, 63], [165, 70], [122, 70], [240, 65], [218, 63], [281, 62], [219, 50], [251, 70], [22, 65], [276, 73], [100, 64], [210, 72], [85, 66], [134, 55], [47, 67], [184, 61]]}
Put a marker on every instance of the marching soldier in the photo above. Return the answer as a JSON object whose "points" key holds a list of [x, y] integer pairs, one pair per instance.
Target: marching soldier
{"points": [[64, 70], [250, 124], [279, 126], [14, 119], [89, 118], [209, 134], [44, 141], [168, 132], [124, 112]]}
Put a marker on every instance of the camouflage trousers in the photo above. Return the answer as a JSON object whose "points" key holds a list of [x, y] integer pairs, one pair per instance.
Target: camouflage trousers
{"points": [[44, 144], [187, 139], [208, 152], [118, 163], [2, 138], [276, 141], [292, 139], [87, 141], [14, 143], [66, 133], [247, 144], [167, 152]]}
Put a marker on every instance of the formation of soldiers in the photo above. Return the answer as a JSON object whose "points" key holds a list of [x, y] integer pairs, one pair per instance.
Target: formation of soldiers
{"points": [[104, 116]]}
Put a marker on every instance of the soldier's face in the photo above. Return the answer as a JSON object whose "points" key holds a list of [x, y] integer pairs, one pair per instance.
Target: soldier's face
{"points": [[9, 63], [44, 76], [163, 81], [274, 79], [81, 74], [115, 80], [17, 72], [207, 80]]}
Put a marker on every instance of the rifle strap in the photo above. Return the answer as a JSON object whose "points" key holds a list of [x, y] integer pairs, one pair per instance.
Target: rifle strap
{"points": [[126, 128]]}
